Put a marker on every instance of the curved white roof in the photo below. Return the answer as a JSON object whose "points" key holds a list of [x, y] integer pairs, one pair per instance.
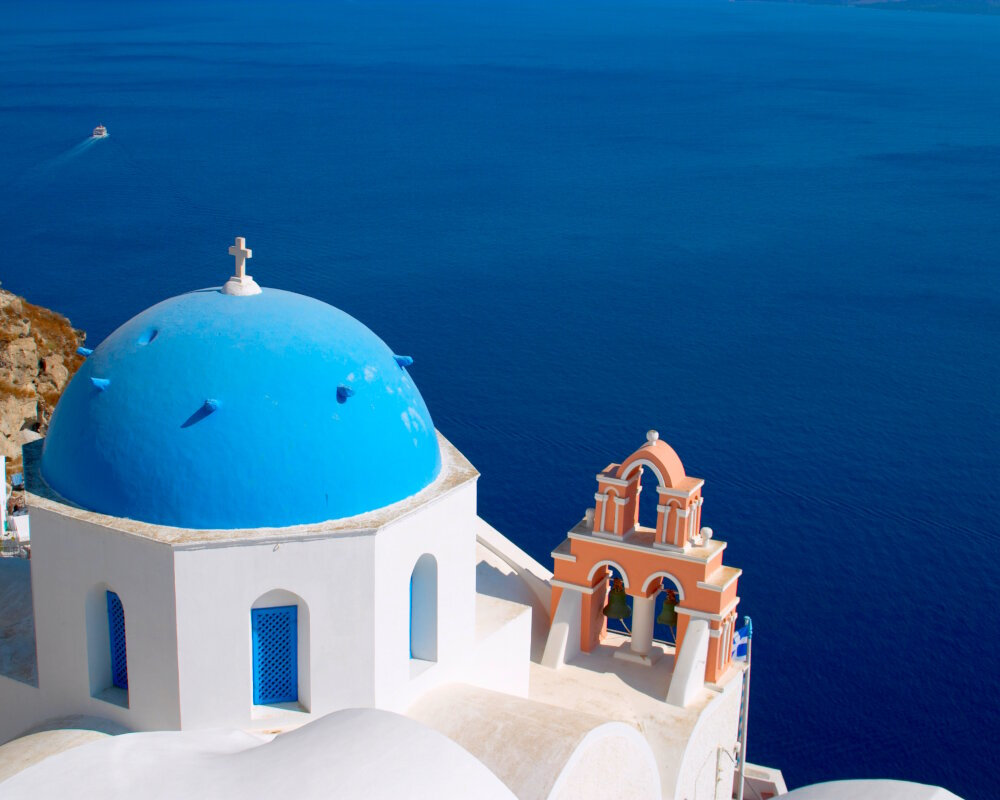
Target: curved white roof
{"points": [[870, 790], [362, 753]]}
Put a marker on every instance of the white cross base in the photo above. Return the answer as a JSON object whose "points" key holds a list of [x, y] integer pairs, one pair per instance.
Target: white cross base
{"points": [[241, 284]]}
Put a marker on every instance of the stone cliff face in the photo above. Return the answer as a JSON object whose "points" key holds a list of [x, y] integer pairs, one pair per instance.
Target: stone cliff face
{"points": [[37, 358]]}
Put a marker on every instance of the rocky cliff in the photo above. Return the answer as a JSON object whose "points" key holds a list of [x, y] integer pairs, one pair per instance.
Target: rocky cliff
{"points": [[37, 358]]}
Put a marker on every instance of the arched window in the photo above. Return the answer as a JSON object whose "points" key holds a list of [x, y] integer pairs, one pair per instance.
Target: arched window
{"points": [[274, 631], [649, 499], [423, 609], [107, 649], [279, 643], [116, 638]]}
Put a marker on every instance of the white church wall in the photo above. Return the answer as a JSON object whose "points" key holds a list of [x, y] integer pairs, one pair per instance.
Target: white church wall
{"points": [[187, 606], [73, 564], [706, 769], [444, 528], [218, 586], [21, 707], [19, 694]]}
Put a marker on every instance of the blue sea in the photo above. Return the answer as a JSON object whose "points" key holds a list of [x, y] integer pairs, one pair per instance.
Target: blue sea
{"points": [[770, 231]]}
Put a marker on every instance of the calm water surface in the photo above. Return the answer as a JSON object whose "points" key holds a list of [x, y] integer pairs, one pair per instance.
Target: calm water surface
{"points": [[769, 231]]}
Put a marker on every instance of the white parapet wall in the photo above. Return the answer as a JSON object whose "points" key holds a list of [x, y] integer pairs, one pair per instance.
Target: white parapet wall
{"points": [[563, 642]]}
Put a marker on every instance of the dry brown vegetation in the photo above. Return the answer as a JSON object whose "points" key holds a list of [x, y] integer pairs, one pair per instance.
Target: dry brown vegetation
{"points": [[54, 334], [24, 391]]}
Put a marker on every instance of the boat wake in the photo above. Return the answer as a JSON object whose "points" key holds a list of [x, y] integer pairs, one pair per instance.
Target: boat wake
{"points": [[43, 170], [74, 152]]}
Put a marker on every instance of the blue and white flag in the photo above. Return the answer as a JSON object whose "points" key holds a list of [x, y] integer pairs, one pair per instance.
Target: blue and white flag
{"points": [[740, 640]]}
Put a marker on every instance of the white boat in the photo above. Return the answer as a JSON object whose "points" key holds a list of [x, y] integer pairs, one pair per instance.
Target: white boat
{"points": [[99, 132]]}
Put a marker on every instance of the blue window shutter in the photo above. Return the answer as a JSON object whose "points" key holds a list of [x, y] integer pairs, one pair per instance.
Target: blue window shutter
{"points": [[275, 654], [116, 635]]}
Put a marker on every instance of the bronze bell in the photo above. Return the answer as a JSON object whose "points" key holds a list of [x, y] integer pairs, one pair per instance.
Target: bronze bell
{"points": [[668, 614], [617, 607]]}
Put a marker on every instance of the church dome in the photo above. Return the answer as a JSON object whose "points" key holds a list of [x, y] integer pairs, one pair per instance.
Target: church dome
{"points": [[210, 410]]}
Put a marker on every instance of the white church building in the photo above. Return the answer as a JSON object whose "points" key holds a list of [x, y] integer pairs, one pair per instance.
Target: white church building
{"points": [[257, 567]]}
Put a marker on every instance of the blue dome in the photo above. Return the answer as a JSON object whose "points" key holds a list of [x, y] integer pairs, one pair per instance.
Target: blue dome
{"points": [[213, 411]]}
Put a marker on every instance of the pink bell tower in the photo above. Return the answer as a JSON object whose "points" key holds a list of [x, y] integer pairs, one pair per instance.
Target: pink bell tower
{"points": [[677, 554]]}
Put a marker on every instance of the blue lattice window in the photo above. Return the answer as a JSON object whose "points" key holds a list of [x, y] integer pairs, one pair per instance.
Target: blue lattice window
{"points": [[275, 654], [116, 635]]}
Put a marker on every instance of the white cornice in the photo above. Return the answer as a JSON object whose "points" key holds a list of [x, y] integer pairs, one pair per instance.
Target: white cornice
{"points": [[573, 586], [681, 492], [707, 616], [715, 587]]}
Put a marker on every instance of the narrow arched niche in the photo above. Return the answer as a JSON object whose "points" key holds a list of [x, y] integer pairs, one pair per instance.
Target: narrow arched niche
{"points": [[107, 644], [424, 609], [280, 649]]}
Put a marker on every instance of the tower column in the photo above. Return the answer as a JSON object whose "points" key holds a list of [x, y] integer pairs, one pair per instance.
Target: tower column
{"points": [[643, 610], [592, 620]]}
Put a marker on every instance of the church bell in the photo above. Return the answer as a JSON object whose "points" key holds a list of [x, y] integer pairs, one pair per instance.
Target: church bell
{"points": [[617, 607], [668, 614]]}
